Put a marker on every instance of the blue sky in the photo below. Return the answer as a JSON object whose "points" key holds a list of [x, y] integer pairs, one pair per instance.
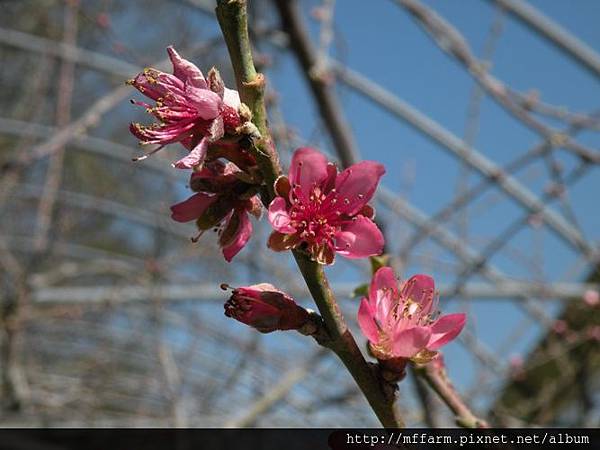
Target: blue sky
{"points": [[383, 42]]}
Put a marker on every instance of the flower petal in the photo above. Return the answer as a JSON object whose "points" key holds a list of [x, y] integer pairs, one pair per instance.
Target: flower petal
{"points": [[366, 322], [206, 103], [195, 157], [421, 289], [185, 70], [243, 234], [192, 208], [411, 341], [445, 329], [279, 217], [231, 98], [359, 238], [308, 168], [216, 130], [357, 184], [384, 278]]}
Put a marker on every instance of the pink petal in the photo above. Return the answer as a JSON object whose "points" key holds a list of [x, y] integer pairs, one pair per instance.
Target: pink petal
{"points": [[357, 184], [409, 342], [359, 238], [216, 129], [192, 208], [421, 289], [185, 70], [206, 103], [243, 234], [278, 216], [232, 98], [308, 168], [384, 278], [445, 329], [366, 322], [195, 157], [261, 287]]}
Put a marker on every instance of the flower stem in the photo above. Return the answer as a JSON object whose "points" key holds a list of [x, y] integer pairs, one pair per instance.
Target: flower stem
{"points": [[232, 17]]}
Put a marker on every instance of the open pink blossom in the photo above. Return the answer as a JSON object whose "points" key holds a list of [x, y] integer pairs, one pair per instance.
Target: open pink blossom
{"points": [[399, 321], [265, 308], [190, 109], [222, 202], [323, 211]]}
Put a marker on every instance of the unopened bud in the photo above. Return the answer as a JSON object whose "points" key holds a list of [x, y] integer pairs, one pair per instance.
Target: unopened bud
{"points": [[265, 308]]}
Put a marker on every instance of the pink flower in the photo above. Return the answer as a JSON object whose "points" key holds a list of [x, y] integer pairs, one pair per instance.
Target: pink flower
{"points": [[399, 321], [591, 297], [323, 211], [189, 108], [560, 326], [222, 202], [265, 308]]}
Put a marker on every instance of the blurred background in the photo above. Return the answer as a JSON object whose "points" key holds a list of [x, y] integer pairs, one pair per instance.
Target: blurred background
{"points": [[486, 115]]}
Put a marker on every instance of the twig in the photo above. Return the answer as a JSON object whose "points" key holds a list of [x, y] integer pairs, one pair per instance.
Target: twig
{"points": [[277, 393], [437, 378], [233, 21], [327, 102], [486, 167], [452, 42], [54, 174], [572, 46], [428, 404], [343, 344]]}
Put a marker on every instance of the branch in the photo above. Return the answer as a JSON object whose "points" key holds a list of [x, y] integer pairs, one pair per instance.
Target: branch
{"points": [[451, 41], [327, 102], [54, 173], [543, 25], [277, 393], [343, 344], [233, 21], [435, 375]]}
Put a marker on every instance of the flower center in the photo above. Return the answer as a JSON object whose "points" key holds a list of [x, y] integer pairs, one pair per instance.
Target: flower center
{"points": [[315, 216]]}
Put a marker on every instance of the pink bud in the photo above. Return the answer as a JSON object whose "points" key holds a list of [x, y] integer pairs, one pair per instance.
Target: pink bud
{"points": [[516, 362], [265, 308], [560, 327], [591, 297], [103, 20]]}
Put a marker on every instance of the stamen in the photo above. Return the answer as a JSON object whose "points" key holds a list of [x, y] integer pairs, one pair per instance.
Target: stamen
{"points": [[147, 155], [196, 238]]}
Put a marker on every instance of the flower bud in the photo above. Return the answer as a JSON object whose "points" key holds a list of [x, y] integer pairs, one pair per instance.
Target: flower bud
{"points": [[265, 308]]}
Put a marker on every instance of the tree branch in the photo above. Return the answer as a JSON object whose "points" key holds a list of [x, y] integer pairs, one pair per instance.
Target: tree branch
{"points": [[232, 18], [435, 375]]}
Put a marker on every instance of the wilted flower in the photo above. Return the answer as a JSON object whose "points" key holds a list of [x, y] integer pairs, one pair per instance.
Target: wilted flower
{"points": [[265, 308], [190, 109], [400, 321], [222, 202], [323, 211]]}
